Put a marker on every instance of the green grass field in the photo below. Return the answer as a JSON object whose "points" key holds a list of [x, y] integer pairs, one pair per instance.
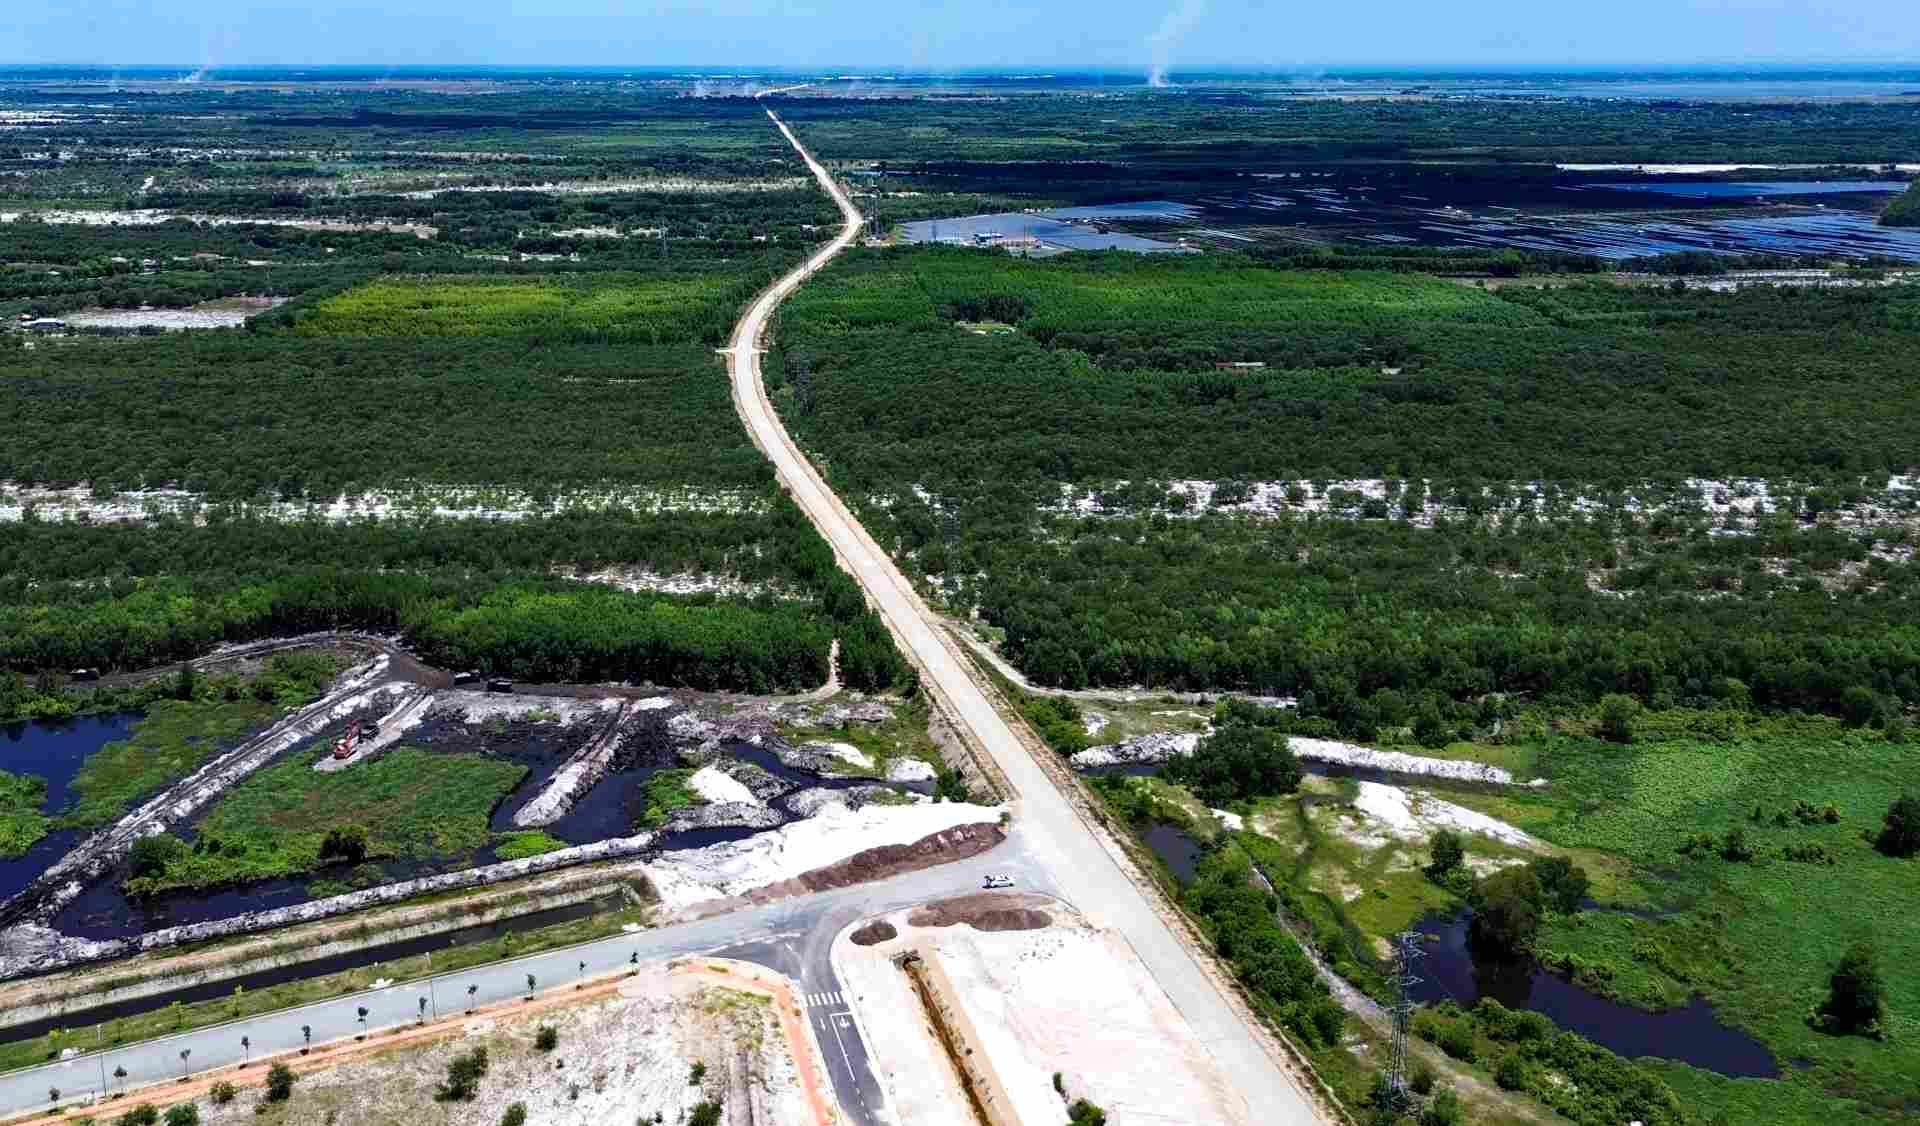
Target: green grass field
{"points": [[414, 804], [1759, 938], [661, 309]]}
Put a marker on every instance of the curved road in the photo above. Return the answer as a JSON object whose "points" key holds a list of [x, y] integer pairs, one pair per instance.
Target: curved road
{"points": [[1086, 872]]}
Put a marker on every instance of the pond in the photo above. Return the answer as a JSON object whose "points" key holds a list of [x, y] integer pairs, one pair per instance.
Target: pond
{"points": [[54, 751], [1176, 849], [1690, 1034]]}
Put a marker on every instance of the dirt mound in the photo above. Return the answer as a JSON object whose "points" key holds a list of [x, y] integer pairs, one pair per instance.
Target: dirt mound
{"points": [[984, 913], [874, 933]]}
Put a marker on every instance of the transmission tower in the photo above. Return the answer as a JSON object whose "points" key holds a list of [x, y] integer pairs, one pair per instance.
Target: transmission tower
{"points": [[1406, 949]]}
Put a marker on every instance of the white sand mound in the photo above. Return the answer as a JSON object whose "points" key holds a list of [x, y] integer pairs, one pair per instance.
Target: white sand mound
{"points": [[720, 789]]}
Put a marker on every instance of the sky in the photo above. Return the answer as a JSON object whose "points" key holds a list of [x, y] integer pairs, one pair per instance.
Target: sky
{"points": [[934, 35]]}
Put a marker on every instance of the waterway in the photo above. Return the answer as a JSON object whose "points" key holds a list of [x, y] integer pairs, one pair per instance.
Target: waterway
{"points": [[317, 967], [1691, 1033], [53, 751]]}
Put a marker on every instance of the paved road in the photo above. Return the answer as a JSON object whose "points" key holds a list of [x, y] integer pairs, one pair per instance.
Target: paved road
{"points": [[1088, 874], [792, 936]]}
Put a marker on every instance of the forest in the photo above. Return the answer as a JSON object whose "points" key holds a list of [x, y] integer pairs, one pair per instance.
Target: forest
{"points": [[467, 593], [1108, 385], [1904, 211]]}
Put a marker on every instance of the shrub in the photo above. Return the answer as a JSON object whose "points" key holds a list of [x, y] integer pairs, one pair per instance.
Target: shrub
{"points": [[1457, 1041], [347, 842], [1900, 833], [1084, 1113], [1444, 1110], [464, 1073], [186, 1114], [1447, 850], [142, 1115], [1423, 1078], [706, 1114], [1511, 1074], [516, 1115], [222, 1092], [547, 1038], [1563, 882], [696, 1073], [279, 1083]]}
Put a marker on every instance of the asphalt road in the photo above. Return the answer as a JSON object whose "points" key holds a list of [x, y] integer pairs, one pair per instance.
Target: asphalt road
{"points": [[1087, 874], [793, 937]]}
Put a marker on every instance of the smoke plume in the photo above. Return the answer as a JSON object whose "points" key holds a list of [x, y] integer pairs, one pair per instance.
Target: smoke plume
{"points": [[1171, 33]]}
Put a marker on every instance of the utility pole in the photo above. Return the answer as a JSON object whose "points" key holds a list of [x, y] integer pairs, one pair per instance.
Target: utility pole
{"points": [[1406, 949]]}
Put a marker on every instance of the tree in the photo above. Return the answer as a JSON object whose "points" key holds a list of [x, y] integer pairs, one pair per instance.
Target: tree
{"points": [[471, 990], [1238, 763], [1900, 835], [1447, 850], [1617, 714], [279, 1083], [1856, 997], [246, 1046], [1562, 882], [120, 1074], [184, 1053], [1506, 913], [306, 1036], [53, 1094], [186, 684], [529, 985]]}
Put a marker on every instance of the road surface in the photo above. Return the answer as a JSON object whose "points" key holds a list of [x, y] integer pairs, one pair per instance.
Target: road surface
{"points": [[1086, 872], [793, 937]]}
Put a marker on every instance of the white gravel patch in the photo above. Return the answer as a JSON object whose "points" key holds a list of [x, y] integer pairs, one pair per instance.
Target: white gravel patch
{"points": [[845, 752], [1416, 816], [911, 770], [719, 789], [1398, 762], [1232, 822], [684, 879]]}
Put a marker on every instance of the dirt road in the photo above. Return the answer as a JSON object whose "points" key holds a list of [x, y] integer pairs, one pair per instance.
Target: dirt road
{"points": [[1089, 870]]}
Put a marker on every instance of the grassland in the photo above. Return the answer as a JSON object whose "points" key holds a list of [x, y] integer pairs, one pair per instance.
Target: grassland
{"points": [[649, 309], [177, 736], [21, 821], [667, 791], [519, 846], [1756, 938], [414, 805]]}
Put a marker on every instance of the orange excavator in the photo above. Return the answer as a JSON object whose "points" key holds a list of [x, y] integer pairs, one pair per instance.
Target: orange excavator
{"points": [[343, 746]]}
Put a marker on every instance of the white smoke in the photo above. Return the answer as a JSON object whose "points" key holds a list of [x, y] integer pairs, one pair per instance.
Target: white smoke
{"points": [[1171, 33]]}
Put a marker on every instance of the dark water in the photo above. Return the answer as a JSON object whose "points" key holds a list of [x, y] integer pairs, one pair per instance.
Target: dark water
{"points": [[1690, 1034], [318, 967], [1746, 190], [53, 751], [1053, 231], [1177, 850]]}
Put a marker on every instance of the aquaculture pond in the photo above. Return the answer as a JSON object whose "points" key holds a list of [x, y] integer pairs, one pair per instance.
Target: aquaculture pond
{"points": [[1690, 1034], [53, 751]]}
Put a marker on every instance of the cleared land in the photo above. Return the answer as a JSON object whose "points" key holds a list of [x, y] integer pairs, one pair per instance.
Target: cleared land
{"points": [[1043, 992]]}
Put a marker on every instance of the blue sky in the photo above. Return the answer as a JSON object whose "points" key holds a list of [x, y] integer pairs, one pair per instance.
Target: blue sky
{"points": [[945, 34]]}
